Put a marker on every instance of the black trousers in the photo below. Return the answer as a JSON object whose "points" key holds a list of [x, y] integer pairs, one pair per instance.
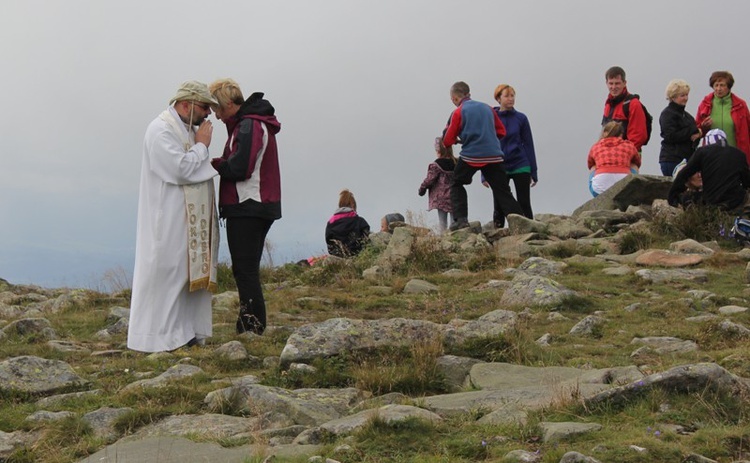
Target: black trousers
{"points": [[495, 176], [246, 237], [522, 185]]}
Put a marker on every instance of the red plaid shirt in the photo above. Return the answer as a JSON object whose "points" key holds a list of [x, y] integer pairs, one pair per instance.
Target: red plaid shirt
{"points": [[613, 155]]}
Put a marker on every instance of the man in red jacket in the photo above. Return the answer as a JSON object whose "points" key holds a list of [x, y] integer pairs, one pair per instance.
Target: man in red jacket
{"points": [[634, 119]]}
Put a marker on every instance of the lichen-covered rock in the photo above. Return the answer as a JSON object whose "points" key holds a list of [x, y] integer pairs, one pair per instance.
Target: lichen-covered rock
{"points": [[31, 327], [417, 286], [232, 350], [663, 276], [34, 375], [455, 369], [399, 246], [558, 431], [689, 246], [587, 326], [174, 373], [387, 413], [575, 457], [666, 345], [519, 225], [102, 421], [682, 379], [309, 407], [535, 291], [540, 266], [339, 335]]}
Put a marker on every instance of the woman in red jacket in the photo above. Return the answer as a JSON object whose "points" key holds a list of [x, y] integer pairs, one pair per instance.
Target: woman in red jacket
{"points": [[724, 110]]}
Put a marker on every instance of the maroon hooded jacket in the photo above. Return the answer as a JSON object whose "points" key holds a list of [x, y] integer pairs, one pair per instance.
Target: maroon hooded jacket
{"points": [[250, 183]]}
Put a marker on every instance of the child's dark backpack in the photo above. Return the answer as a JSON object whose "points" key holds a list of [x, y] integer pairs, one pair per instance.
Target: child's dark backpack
{"points": [[626, 110]]}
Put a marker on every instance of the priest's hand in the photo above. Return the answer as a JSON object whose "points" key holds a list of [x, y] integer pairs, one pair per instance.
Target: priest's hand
{"points": [[203, 135]]}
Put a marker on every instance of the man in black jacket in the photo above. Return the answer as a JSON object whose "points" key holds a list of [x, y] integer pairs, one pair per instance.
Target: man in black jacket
{"points": [[723, 169]]}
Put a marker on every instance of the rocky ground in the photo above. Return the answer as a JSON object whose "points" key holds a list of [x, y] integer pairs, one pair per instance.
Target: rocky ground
{"points": [[602, 333]]}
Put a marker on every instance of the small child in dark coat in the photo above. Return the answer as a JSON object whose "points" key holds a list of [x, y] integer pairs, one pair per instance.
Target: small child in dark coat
{"points": [[438, 183]]}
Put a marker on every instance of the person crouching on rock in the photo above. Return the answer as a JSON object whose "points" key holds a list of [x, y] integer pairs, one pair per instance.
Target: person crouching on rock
{"points": [[724, 172], [346, 232], [611, 159]]}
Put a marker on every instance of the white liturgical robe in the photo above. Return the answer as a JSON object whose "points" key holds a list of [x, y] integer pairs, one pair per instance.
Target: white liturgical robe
{"points": [[164, 314]]}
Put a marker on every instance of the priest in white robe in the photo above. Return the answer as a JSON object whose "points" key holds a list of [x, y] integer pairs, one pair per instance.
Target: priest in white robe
{"points": [[177, 232]]}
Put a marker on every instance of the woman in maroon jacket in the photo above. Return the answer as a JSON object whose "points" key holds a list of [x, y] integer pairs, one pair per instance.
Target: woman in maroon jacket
{"points": [[249, 191]]}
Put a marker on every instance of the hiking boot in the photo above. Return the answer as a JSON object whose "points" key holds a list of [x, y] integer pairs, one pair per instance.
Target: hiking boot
{"points": [[246, 321], [458, 224]]}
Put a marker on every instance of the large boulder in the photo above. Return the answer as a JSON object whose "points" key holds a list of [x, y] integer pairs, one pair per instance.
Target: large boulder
{"points": [[633, 190], [339, 335]]}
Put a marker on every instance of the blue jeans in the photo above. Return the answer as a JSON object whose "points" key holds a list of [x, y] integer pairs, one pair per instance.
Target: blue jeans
{"points": [[667, 168]]}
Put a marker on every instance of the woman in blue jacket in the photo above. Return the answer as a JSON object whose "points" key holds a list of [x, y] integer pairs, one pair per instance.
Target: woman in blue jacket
{"points": [[518, 147]]}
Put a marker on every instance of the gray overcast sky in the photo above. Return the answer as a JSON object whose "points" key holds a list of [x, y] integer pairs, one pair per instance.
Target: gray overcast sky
{"points": [[361, 90]]}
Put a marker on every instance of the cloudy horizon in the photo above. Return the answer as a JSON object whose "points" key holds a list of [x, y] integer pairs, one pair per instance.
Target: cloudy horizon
{"points": [[361, 90]]}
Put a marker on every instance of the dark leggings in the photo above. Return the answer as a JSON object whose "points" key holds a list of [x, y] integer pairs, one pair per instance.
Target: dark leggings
{"points": [[246, 237], [522, 184], [495, 176]]}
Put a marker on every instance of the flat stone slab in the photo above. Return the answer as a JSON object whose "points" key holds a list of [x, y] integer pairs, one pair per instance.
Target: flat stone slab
{"points": [[173, 373], [666, 344], [664, 276], [659, 258], [207, 426], [732, 309], [181, 450], [509, 391], [388, 413], [554, 432]]}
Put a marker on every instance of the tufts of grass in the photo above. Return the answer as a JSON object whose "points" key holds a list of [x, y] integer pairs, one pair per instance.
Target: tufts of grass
{"points": [[575, 303], [412, 372], [514, 346], [396, 441], [329, 372], [427, 256], [701, 223], [712, 336], [129, 422], [635, 240]]}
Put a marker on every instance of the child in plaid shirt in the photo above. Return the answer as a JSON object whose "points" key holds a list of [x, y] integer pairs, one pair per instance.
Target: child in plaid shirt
{"points": [[611, 159]]}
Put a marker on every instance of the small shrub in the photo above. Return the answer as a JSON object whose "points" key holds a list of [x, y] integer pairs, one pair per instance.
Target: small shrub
{"points": [[635, 240]]}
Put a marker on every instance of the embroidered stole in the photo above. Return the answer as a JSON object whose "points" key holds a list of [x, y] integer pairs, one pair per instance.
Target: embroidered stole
{"points": [[202, 221]]}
